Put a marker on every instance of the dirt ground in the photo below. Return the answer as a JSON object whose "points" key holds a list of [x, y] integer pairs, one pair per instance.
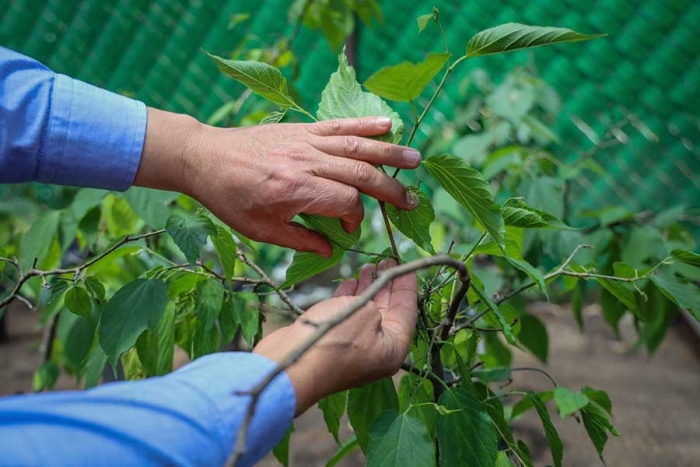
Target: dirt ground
{"points": [[655, 401]]}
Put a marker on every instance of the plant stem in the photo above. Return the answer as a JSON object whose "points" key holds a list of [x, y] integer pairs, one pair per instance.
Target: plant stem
{"points": [[389, 232]]}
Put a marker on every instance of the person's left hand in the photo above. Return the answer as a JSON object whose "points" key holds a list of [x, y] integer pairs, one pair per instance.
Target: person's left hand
{"points": [[369, 345]]}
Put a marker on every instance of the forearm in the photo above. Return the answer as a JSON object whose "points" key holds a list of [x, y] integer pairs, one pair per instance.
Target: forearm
{"points": [[190, 417]]}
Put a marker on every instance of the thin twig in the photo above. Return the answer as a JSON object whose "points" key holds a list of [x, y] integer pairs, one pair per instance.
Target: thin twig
{"points": [[267, 281], [76, 271], [323, 328], [538, 370], [389, 232]]}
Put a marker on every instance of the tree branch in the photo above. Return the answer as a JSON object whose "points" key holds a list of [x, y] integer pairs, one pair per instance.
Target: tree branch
{"points": [[321, 329]]}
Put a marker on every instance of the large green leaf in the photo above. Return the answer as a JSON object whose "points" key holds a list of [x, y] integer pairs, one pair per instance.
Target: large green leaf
{"points": [[415, 224], [190, 233], [555, 444], [210, 297], [261, 78], [366, 403], [597, 426], [405, 82], [414, 393], [467, 436], [135, 307], [519, 214], [514, 36], [165, 334], [247, 315], [151, 205], [466, 185], [37, 242], [306, 265], [682, 293], [77, 300], [687, 257], [333, 408], [569, 402], [399, 440], [343, 98], [533, 336], [331, 228], [226, 248], [623, 292]]}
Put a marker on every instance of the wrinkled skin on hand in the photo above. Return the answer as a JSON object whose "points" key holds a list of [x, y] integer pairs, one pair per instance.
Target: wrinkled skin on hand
{"points": [[369, 345]]}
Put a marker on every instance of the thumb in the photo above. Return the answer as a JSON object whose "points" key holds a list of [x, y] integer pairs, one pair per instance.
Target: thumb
{"points": [[298, 237]]}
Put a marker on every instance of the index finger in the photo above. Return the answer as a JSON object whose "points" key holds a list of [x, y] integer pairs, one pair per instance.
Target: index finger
{"points": [[361, 126]]}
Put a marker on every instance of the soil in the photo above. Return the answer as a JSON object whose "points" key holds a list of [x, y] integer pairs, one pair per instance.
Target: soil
{"points": [[655, 400]]}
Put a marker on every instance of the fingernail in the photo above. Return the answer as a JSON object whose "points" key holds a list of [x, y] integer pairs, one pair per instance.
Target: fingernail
{"points": [[411, 199], [384, 121], [411, 156]]}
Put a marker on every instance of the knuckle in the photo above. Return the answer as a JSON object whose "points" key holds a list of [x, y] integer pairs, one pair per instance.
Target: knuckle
{"points": [[334, 126], [364, 174], [352, 147]]}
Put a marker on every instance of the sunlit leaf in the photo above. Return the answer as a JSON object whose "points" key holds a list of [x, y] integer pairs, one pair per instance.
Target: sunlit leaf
{"points": [[514, 36], [307, 265], [569, 402], [36, 243], [261, 78], [332, 228], [466, 185], [151, 205], [343, 98], [415, 224], [226, 248], [406, 81]]}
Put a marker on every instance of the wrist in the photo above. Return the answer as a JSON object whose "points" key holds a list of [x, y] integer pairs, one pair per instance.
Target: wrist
{"points": [[166, 160]]}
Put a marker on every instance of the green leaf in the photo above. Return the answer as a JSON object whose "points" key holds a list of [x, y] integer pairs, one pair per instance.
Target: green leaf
{"points": [[532, 272], [136, 306], [247, 316], [466, 437], [399, 440], [333, 408], [37, 241], [492, 375], [682, 293], [423, 21], [95, 364], [577, 305], [147, 351], [623, 292], [415, 224], [190, 233], [502, 460], [366, 403], [45, 376], [494, 407], [151, 205], [96, 288], [598, 396], [597, 426], [78, 342], [533, 336], [281, 451], [226, 248], [273, 117], [306, 265], [85, 200], [343, 98], [261, 78], [118, 216], [406, 81], [68, 229], [204, 342], [520, 214], [210, 297], [466, 185], [166, 341], [183, 283], [414, 391], [332, 228], [486, 300], [555, 443], [77, 300], [343, 451], [526, 404], [513, 36], [568, 401]]}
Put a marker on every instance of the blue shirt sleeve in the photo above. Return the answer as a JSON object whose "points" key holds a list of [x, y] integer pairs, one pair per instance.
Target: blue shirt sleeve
{"points": [[187, 418], [54, 129]]}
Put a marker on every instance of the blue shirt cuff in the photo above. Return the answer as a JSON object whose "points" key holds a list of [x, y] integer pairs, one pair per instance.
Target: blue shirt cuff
{"points": [[94, 138]]}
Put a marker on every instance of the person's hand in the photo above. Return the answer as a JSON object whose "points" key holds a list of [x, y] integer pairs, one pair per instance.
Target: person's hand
{"points": [[256, 179], [369, 345]]}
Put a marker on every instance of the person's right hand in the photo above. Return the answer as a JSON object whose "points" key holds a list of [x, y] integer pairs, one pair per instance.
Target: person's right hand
{"points": [[256, 179], [369, 345]]}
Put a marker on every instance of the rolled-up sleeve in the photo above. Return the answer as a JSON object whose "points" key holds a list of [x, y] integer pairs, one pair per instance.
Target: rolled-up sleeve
{"points": [[55, 129], [190, 417]]}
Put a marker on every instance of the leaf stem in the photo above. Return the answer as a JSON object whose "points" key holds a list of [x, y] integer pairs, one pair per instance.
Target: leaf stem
{"points": [[389, 232]]}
